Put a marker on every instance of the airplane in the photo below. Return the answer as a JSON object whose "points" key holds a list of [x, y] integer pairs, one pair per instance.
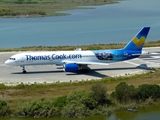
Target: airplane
{"points": [[73, 61]]}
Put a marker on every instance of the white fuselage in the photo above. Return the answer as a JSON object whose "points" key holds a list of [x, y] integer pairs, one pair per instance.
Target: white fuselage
{"points": [[56, 57]]}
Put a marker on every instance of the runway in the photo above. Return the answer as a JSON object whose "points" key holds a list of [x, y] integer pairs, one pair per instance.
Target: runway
{"points": [[12, 75]]}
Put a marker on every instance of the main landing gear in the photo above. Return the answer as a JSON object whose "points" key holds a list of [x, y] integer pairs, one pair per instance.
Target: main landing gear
{"points": [[23, 69], [84, 68]]}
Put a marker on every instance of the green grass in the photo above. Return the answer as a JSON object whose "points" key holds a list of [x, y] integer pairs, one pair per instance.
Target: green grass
{"points": [[60, 89], [23, 93]]}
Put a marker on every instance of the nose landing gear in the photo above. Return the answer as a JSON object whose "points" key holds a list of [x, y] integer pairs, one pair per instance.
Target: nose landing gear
{"points": [[23, 69]]}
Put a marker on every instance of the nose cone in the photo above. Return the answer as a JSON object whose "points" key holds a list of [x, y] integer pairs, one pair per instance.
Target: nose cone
{"points": [[7, 62]]}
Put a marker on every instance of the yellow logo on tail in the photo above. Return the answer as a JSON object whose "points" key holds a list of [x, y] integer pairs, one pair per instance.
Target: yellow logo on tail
{"points": [[138, 42]]}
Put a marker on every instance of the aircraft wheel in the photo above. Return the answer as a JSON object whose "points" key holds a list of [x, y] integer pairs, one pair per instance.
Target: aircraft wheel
{"points": [[24, 71]]}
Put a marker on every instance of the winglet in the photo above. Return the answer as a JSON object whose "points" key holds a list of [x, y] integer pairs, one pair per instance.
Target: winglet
{"points": [[138, 40]]}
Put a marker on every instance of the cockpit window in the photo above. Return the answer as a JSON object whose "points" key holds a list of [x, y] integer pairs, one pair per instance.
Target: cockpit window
{"points": [[12, 58]]}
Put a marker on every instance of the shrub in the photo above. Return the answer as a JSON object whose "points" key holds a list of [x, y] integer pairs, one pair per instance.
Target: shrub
{"points": [[19, 1], [41, 13], [20, 86], [7, 12], [60, 102], [99, 94], [124, 92], [36, 13], [4, 109], [74, 110], [145, 91], [41, 108], [79, 104], [2, 86], [83, 97]]}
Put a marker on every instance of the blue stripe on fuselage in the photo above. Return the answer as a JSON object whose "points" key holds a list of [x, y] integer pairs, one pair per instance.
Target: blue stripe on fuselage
{"points": [[115, 55]]}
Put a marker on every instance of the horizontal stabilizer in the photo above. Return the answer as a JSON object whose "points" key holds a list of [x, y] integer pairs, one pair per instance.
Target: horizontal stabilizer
{"points": [[149, 54]]}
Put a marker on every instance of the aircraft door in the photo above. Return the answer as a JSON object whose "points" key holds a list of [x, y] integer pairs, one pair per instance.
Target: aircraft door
{"points": [[22, 59]]}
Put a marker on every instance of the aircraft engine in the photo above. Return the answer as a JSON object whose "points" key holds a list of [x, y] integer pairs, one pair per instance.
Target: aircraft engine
{"points": [[70, 67]]}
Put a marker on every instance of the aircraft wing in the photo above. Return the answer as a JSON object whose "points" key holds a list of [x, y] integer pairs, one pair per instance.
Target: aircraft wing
{"points": [[85, 63]]}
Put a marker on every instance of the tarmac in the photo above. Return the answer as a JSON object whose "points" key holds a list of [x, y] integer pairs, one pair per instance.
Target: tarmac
{"points": [[12, 75]]}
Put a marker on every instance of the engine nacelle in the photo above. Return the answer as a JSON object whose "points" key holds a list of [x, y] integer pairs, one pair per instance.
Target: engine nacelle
{"points": [[70, 67]]}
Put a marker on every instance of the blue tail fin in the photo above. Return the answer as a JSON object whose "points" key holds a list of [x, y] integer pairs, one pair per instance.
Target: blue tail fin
{"points": [[138, 40]]}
